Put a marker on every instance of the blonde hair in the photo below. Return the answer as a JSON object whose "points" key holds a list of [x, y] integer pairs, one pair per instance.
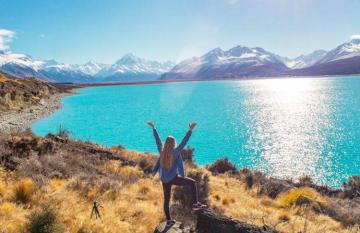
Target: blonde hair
{"points": [[166, 158]]}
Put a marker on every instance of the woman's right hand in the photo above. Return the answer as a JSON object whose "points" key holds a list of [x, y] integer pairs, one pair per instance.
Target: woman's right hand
{"points": [[151, 124]]}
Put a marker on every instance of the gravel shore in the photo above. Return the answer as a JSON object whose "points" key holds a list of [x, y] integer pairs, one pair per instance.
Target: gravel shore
{"points": [[20, 120]]}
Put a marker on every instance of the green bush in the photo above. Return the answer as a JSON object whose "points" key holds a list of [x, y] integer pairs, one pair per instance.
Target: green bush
{"points": [[44, 221]]}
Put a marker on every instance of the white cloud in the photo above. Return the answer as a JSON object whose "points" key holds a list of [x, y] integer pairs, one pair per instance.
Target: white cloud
{"points": [[355, 37], [6, 36]]}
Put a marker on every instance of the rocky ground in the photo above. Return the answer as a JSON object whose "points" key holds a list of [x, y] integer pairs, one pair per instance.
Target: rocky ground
{"points": [[23, 101], [18, 120]]}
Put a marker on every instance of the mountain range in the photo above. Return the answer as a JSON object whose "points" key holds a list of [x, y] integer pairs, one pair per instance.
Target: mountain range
{"points": [[237, 62], [242, 62], [127, 69]]}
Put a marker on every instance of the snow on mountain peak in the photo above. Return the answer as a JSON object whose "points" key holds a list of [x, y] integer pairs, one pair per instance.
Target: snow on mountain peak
{"points": [[129, 59], [343, 51], [307, 60]]}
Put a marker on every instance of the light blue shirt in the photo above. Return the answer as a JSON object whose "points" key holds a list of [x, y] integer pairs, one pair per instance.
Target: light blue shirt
{"points": [[178, 165]]}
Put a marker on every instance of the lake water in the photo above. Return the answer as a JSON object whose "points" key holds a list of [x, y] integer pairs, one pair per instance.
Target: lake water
{"points": [[284, 127]]}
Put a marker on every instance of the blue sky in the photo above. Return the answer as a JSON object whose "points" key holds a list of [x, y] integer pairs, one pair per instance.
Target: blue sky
{"points": [[75, 31]]}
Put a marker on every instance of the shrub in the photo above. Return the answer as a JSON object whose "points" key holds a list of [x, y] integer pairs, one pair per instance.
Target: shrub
{"points": [[273, 187], [44, 221], [352, 187], [182, 194], [300, 196], [188, 154], [145, 165], [221, 166], [24, 191], [305, 180], [347, 211]]}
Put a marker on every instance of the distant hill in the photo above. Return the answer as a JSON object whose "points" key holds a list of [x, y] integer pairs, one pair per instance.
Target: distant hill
{"points": [[19, 93]]}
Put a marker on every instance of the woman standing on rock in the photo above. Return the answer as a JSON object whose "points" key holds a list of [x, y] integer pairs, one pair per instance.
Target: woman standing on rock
{"points": [[171, 168]]}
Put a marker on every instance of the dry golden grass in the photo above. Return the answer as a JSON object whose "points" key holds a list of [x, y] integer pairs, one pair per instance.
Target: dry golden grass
{"points": [[291, 197], [245, 205], [24, 191], [136, 205]]}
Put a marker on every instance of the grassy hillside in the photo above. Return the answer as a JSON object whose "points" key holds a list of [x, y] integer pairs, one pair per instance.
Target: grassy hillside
{"points": [[52, 182], [21, 93]]}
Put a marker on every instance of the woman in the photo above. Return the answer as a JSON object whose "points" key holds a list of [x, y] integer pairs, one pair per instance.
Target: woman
{"points": [[171, 168]]}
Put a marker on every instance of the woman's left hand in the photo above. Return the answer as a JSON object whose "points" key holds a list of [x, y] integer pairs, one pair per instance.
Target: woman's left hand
{"points": [[192, 126]]}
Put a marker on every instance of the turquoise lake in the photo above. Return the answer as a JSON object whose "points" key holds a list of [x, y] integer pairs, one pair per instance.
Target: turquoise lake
{"points": [[285, 127]]}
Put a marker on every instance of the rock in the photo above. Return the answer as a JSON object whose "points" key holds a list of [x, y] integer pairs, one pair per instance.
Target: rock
{"points": [[209, 222], [178, 227]]}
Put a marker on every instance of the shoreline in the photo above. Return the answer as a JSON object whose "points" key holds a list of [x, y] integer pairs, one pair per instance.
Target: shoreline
{"points": [[85, 85], [21, 119]]}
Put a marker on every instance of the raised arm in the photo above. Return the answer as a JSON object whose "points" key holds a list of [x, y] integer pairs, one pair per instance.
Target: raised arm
{"points": [[157, 140], [186, 138], [184, 141], [156, 136]]}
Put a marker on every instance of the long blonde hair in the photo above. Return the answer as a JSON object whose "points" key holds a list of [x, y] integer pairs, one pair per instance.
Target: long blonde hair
{"points": [[166, 158]]}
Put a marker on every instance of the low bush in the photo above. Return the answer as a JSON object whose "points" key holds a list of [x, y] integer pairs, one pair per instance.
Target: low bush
{"points": [[145, 165], [188, 154], [44, 221], [182, 194], [272, 187], [300, 196], [222, 166], [305, 180], [346, 211], [352, 187], [24, 191]]}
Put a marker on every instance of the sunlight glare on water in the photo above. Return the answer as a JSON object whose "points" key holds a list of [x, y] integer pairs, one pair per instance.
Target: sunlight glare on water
{"points": [[285, 127]]}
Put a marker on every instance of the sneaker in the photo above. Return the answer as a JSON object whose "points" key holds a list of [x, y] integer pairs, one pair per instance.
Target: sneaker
{"points": [[198, 206], [170, 222]]}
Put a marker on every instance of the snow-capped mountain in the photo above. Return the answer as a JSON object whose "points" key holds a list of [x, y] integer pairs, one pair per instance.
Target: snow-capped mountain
{"points": [[239, 61], [91, 67], [344, 51], [128, 68], [21, 65], [304, 61], [343, 60], [133, 68]]}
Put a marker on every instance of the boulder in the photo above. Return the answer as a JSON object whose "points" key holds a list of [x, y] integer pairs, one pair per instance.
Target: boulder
{"points": [[210, 222], [178, 227]]}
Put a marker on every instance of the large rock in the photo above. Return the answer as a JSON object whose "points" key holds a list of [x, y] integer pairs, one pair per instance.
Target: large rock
{"points": [[209, 222], [178, 227]]}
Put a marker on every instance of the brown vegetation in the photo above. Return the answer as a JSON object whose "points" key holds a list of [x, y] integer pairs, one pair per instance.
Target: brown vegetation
{"points": [[40, 175], [21, 93]]}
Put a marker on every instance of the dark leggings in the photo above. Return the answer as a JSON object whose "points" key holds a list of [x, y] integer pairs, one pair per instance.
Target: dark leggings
{"points": [[182, 181]]}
